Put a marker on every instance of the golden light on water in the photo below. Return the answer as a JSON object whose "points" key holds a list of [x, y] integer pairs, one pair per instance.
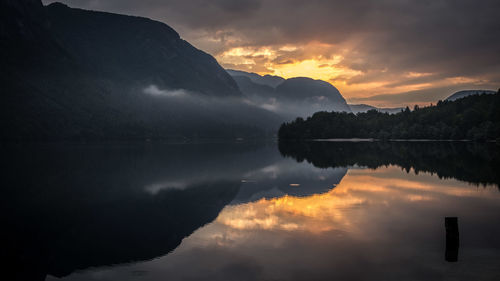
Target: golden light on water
{"points": [[384, 218], [313, 213], [344, 207]]}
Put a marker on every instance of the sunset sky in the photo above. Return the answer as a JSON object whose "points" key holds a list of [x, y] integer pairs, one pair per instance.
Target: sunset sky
{"points": [[384, 52]]}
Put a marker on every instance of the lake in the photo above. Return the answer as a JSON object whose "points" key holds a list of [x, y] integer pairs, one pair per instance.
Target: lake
{"points": [[251, 211]]}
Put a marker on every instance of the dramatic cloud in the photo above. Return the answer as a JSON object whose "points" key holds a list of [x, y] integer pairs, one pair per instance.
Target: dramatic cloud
{"points": [[366, 48]]}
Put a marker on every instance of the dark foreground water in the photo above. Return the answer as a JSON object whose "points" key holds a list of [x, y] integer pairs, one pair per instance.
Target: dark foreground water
{"points": [[240, 211]]}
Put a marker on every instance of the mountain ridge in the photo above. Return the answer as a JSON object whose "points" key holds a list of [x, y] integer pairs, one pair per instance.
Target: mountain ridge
{"points": [[147, 50], [73, 74], [267, 80], [297, 96], [466, 93], [358, 108]]}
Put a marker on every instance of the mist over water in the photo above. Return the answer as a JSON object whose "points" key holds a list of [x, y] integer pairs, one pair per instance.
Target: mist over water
{"points": [[224, 115]]}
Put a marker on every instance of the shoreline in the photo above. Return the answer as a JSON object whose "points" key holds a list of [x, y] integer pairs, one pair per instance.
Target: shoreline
{"points": [[391, 140]]}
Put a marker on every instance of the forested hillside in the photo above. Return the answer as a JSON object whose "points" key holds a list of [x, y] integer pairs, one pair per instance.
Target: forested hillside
{"points": [[475, 117], [73, 74]]}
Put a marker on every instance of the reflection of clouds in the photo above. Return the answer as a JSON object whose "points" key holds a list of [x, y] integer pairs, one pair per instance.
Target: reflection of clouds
{"points": [[339, 209], [270, 171], [314, 213], [272, 176], [385, 221]]}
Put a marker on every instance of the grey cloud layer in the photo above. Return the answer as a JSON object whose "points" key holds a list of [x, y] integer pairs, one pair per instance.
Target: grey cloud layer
{"points": [[449, 37]]}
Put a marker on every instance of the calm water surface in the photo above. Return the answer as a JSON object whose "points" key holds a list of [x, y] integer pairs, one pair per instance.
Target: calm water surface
{"points": [[239, 211]]}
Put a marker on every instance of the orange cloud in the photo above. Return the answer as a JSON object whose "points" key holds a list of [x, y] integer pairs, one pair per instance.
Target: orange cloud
{"points": [[338, 64]]}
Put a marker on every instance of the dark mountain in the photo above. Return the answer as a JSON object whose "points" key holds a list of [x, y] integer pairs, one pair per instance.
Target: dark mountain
{"points": [[357, 108], [250, 88], [291, 97], [137, 49], [466, 93], [303, 88], [26, 42], [75, 74], [267, 80]]}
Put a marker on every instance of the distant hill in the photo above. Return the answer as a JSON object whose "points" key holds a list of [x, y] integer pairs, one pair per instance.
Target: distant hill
{"points": [[357, 108], [76, 74], [250, 88], [466, 93], [304, 88], [268, 80], [300, 96], [474, 117]]}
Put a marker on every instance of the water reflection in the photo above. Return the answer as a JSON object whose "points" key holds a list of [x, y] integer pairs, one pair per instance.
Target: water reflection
{"points": [[71, 207], [244, 212], [472, 162]]}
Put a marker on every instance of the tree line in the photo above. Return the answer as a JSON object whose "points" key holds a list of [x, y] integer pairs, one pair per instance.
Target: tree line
{"points": [[473, 162], [475, 117]]}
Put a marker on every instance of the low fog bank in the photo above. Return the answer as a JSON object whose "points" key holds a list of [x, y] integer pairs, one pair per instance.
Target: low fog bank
{"points": [[289, 109], [260, 111], [188, 109], [289, 98]]}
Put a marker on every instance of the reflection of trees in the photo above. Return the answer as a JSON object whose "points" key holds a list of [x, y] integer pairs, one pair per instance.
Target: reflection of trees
{"points": [[471, 162]]}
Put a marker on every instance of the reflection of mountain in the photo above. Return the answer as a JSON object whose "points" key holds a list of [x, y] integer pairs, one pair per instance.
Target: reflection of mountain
{"points": [[73, 207], [285, 177], [70, 207], [472, 162], [102, 230]]}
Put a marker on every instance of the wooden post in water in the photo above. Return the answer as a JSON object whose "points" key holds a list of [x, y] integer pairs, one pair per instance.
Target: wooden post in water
{"points": [[452, 239]]}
